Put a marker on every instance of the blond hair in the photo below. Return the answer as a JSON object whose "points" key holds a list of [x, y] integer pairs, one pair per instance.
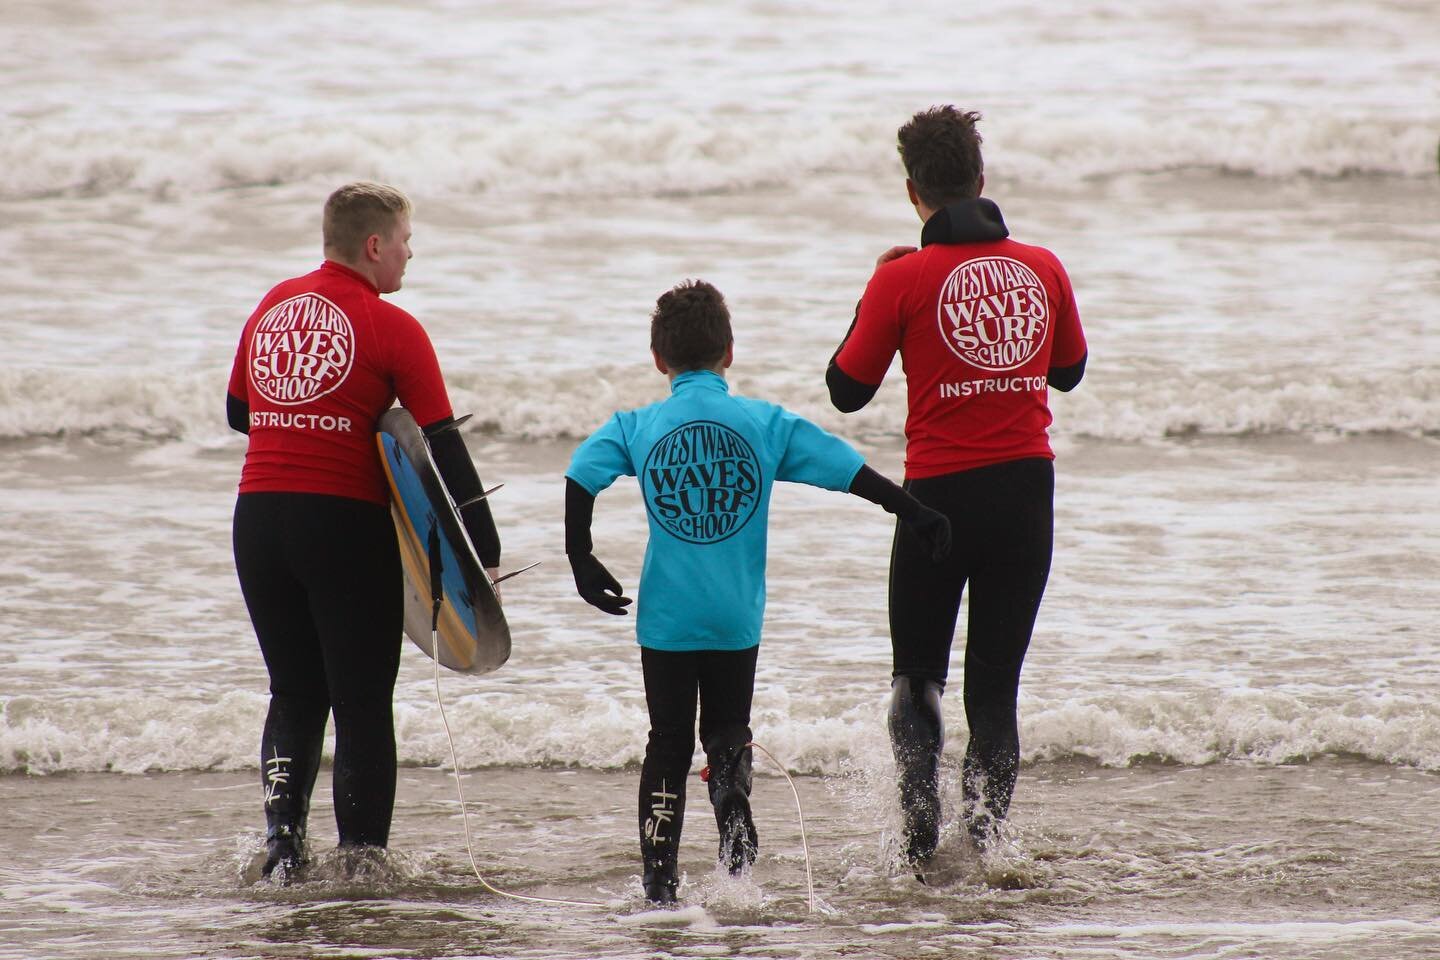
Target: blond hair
{"points": [[358, 211]]}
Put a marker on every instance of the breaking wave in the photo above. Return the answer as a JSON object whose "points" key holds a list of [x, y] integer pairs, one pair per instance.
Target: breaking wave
{"points": [[675, 154], [129, 734]]}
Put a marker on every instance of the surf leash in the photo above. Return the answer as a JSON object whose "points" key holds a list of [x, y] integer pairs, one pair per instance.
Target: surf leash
{"points": [[437, 598], [799, 812]]}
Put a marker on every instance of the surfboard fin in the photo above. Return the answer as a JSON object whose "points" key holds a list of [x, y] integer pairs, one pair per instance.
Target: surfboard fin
{"points": [[478, 498], [516, 573], [452, 425]]}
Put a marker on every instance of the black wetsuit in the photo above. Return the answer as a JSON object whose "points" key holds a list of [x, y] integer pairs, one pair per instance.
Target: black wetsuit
{"points": [[1002, 526], [322, 581], [724, 681]]}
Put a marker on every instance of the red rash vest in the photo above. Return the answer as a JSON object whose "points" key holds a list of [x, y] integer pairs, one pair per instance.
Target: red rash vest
{"points": [[978, 325], [321, 358]]}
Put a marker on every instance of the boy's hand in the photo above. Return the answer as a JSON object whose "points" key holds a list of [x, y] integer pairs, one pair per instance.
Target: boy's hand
{"points": [[933, 528], [597, 587]]}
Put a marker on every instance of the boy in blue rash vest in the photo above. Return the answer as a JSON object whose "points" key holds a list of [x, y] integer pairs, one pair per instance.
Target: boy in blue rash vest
{"points": [[706, 462]]}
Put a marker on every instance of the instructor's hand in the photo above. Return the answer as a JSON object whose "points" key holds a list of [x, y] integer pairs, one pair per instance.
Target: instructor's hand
{"points": [[933, 529], [894, 253], [596, 586]]}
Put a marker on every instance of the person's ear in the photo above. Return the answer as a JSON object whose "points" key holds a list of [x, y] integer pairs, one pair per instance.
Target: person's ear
{"points": [[980, 186], [659, 364], [914, 194], [729, 355], [372, 247]]}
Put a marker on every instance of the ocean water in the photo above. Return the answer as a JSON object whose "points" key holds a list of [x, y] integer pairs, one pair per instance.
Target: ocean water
{"points": [[1229, 717]]}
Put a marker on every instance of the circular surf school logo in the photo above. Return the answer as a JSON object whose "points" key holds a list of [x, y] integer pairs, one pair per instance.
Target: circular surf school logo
{"points": [[993, 313], [702, 482], [301, 349]]}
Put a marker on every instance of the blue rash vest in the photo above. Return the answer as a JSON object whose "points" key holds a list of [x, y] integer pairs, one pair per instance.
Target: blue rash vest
{"points": [[706, 462]]}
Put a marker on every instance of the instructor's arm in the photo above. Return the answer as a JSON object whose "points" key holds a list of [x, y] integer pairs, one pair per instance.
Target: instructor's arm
{"points": [[846, 393], [453, 462], [858, 365]]}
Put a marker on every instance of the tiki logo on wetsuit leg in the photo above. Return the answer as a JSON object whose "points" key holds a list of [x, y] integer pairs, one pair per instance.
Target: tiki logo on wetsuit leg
{"points": [[277, 777], [701, 482], [662, 813], [993, 313], [302, 349]]}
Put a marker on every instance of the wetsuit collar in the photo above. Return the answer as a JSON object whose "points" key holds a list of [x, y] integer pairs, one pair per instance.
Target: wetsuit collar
{"points": [[969, 221], [700, 379], [353, 274]]}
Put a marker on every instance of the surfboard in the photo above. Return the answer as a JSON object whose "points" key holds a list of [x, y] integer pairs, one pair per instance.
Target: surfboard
{"points": [[473, 634]]}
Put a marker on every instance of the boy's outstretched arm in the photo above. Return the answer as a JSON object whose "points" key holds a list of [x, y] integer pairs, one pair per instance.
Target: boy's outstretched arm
{"points": [[930, 525], [593, 582]]}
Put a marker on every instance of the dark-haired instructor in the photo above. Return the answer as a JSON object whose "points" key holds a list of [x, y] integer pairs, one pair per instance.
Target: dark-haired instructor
{"points": [[320, 359], [983, 325]]}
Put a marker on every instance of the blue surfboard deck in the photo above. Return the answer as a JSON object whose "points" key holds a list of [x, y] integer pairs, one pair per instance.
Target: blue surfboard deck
{"points": [[473, 634]]}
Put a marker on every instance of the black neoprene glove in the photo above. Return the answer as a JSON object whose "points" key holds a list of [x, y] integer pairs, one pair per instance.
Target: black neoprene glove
{"points": [[596, 586], [592, 581], [931, 526]]}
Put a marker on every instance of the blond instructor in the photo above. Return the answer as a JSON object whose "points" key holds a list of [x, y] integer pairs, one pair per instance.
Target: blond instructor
{"points": [[320, 359]]}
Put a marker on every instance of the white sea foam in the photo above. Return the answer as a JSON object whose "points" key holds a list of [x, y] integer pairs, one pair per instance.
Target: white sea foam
{"points": [[568, 404], [129, 734], [656, 156]]}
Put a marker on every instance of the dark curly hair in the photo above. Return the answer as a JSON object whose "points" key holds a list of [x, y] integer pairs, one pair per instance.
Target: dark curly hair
{"points": [[690, 328], [940, 148]]}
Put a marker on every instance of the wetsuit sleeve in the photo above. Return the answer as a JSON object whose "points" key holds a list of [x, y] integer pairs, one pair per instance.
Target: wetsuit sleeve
{"points": [[874, 337], [885, 493], [930, 525], [1067, 378], [846, 393], [602, 458], [237, 411], [237, 405], [579, 514], [597, 462], [457, 470], [593, 582], [812, 455]]}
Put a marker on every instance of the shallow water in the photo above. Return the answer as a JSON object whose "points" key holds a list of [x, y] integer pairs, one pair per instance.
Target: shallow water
{"points": [[1234, 859]]}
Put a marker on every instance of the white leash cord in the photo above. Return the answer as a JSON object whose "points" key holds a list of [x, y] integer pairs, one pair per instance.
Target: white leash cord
{"points": [[804, 843], [465, 814]]}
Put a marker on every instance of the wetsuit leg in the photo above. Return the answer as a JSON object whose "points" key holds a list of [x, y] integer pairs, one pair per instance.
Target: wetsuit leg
{"points": [[322, 579], [359, 615], [671, 689], [924, 603], [727, 687], [1006, 587], [1003, 529], [294, 730], [917, 735]]}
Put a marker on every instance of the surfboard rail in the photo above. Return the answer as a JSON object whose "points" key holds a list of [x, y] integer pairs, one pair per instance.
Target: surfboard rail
{"points": [[473, 634]]}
